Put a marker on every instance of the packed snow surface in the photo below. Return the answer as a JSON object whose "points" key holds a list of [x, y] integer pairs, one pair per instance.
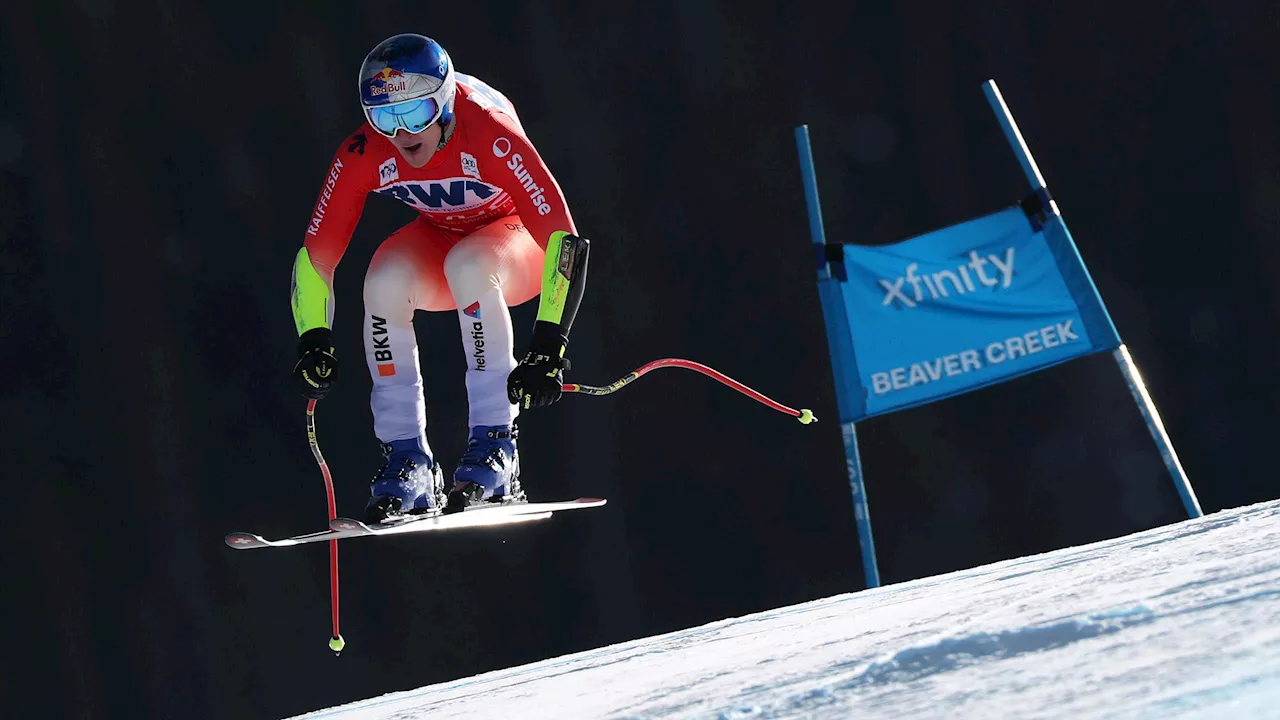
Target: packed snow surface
{"points": [[1182, 621]]}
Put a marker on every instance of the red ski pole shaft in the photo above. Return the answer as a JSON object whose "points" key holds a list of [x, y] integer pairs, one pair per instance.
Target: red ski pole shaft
{"points": [[336, 642], [804, 415]]}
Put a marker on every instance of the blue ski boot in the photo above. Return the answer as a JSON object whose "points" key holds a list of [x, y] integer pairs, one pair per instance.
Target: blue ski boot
{"points": [[409, 482], [489, 470]]}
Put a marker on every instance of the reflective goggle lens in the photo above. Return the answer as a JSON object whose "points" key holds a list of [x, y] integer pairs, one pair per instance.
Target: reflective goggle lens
{"points": [[414, 116]]}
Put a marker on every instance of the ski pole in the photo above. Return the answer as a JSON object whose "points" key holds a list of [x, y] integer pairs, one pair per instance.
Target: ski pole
{"points": [[805, 416], [336, 643]]}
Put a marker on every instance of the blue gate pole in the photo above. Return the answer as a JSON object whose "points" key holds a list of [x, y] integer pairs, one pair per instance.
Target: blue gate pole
{"points": [[834, 316], [1122, 357], [1149, 413]]}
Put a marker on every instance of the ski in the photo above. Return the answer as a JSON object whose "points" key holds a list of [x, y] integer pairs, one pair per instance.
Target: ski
{"points": [[480, 515]]}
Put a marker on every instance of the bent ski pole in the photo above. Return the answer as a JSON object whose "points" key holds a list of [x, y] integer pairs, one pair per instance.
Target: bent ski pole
{"points": [[336, 643], [803, 415]]}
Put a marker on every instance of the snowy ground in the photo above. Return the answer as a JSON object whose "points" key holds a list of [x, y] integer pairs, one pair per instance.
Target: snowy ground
{"points": [[1178, 622]]}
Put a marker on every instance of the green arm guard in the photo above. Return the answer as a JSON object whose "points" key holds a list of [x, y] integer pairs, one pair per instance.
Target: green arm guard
{"points": [[311, 306], [564, 275]]}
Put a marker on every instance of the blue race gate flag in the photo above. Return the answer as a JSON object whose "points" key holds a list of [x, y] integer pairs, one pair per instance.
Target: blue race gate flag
{"points": [[966, 306]]}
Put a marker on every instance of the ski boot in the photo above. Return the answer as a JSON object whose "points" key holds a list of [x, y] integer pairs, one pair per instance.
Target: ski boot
{"points": [[489, 470], [409, 482]]}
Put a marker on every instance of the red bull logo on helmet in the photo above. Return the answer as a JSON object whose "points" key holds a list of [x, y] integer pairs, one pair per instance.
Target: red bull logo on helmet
{"points": [[387, 81], [389, 85]]}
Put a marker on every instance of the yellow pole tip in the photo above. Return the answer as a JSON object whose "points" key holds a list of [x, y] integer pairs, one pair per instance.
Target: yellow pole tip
{"points": [[337, 643], [806, 417]]}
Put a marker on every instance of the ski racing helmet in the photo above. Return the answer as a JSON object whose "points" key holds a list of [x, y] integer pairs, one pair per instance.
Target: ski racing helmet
{"points": [[407, 83]]}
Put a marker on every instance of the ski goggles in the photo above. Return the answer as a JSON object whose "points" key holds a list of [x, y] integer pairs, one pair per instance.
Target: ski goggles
{"points": [[413, 116]]}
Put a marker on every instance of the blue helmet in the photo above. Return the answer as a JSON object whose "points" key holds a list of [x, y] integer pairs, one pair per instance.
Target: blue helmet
{"points": [[407, 83]]}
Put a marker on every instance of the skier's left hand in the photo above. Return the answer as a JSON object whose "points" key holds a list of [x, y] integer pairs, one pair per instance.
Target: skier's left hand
{"points": [[539, 378]]}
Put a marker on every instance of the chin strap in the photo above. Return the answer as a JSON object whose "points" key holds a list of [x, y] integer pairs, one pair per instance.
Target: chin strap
{"points": [[447, 134]]}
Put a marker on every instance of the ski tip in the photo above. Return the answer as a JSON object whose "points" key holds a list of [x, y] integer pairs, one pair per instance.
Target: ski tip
{"points": [[244, 540]]}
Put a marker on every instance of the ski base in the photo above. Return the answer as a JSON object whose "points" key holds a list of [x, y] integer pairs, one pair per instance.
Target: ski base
{"points": [[480, 515]]}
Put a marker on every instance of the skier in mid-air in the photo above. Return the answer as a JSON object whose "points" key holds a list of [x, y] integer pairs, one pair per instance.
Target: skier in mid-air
{"points": [[493, 231]]}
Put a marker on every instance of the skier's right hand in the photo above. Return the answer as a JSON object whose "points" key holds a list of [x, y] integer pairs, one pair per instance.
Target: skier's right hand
{"points": [[317, 367]]}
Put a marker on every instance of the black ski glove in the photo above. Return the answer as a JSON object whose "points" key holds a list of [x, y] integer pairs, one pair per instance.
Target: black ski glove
{"points": [[539, 378], [317, 369]]}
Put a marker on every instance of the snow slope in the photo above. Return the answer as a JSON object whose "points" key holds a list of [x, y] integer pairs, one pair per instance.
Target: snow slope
{"points": [[1178, 622]]}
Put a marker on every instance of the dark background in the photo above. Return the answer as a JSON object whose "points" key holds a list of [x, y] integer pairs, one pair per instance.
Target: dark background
{"points": [[158, 163]]}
